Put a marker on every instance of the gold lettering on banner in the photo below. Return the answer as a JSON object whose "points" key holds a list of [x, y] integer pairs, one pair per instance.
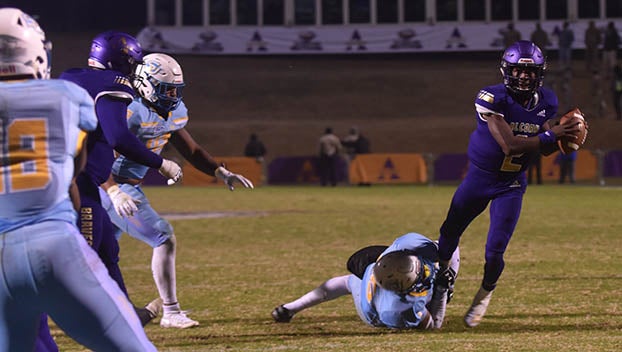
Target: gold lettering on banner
{"points": [[86, 224]]}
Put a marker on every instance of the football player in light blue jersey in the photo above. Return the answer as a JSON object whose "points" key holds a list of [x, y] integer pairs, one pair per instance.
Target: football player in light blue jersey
{"points": [[391, 286], [45, 263], [158, 116]]}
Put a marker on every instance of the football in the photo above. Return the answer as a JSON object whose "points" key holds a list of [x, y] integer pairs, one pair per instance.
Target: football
{"points": [[569, 145]]}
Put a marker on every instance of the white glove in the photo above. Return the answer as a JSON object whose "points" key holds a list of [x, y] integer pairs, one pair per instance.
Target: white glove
{"points": [[229, 178], [171, 171], [123, 203]]}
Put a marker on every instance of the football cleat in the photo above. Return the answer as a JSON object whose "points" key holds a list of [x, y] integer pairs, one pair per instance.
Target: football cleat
{"points": [[281, 314], [177, 320], [149, 312], [154, 307], [143, 315], [438, 305], [476, 312]]}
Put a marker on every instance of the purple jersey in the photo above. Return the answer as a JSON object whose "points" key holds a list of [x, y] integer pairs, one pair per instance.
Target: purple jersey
{"points": [[484, 151], [112, 92]]}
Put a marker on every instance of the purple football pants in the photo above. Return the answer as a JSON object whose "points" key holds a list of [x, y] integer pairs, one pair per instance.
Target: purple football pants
{"points": [[480, 188], [98, 230]]}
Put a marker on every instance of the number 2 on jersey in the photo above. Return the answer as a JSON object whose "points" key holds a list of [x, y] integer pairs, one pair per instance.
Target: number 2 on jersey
{"points": [[508, 162]]}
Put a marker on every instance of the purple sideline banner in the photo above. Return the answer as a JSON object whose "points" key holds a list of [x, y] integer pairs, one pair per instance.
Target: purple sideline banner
{"points": [[450, 167], [612, 164], [300, 169]]}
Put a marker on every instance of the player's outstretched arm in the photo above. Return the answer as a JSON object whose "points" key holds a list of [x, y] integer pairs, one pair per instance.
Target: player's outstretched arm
{"points": [[202, 160]]}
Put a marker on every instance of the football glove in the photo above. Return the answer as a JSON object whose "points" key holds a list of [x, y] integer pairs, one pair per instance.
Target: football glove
{"points": [[123, 203], [171, 171], [229, 178]]}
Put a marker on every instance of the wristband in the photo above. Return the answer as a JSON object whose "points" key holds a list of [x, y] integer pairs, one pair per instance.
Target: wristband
{"points": [[547, 137]]}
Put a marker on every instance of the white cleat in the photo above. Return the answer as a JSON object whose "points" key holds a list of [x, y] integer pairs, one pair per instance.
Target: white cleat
{"points": [[177, 320], [476, 312]]}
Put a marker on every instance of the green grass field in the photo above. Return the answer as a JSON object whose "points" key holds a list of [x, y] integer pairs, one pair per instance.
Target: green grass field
{"points": [[561, 289]]}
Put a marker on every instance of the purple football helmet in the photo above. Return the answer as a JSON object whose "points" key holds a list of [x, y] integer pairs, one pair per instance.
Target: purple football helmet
{"points": [[523, 56], [115, 51]]}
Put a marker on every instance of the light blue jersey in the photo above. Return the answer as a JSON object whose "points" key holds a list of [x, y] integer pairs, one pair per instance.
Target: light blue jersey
{"points": [[46, 265], [41, 122], [151, 129], [384, 308]]}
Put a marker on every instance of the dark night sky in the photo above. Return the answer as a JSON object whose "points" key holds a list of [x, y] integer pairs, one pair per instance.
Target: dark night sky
{"points": [[83, 15]]}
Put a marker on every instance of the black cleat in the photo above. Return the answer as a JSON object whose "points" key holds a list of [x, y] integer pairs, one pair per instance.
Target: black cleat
{"points": [[149, 312], [144, 315], [282, 314]]}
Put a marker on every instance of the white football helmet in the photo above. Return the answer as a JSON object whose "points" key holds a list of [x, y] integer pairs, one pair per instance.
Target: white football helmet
{"points": [[398, 271], [160, 81], [23, 48]]}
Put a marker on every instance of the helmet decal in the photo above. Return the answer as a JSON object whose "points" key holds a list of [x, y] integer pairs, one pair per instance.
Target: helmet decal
{"points": [[398, 271], [160, 81], [24, 50]]}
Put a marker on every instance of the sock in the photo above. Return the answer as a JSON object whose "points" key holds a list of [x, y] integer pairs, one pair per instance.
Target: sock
{"points": [[163, 268], [329, 290], [454, 262], [171, 308]]}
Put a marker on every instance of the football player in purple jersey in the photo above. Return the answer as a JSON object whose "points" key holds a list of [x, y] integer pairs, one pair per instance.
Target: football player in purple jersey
{"points": [[515, 119], [112, 60]]}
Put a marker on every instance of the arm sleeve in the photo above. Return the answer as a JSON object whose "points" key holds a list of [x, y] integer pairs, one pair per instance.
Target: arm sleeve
{"points": [[112, 114]]}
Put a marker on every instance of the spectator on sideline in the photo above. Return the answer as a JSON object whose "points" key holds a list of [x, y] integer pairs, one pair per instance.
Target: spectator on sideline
{"points": [[566, 38], [566, 166], [540, 38], [355, 143], [255, 148], [330, 149], [611, 43], [593, 39], [535, 167], [616, 90], [510, 35]]}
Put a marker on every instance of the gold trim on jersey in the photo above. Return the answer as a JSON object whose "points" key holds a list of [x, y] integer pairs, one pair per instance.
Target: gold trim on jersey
{"points": [[81, 136], [486, 96]]}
